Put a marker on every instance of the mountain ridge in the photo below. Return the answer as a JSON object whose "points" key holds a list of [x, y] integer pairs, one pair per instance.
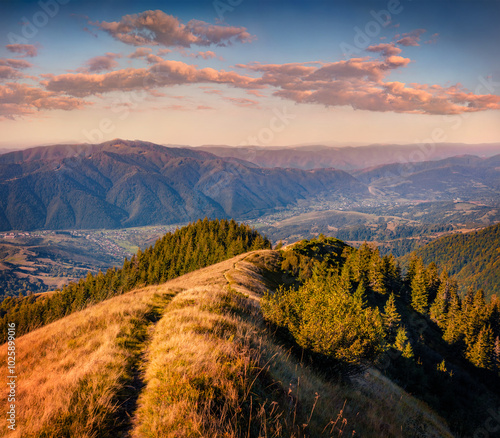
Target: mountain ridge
{"points": [[123, 183]]}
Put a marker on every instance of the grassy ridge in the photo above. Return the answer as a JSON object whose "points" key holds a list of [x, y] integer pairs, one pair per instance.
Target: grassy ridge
{"points": [[192, 247], [215, 369], [210, 366], [75, 375]]}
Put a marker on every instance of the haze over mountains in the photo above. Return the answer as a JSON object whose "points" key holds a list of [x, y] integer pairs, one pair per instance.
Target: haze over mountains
{"points": [[350, 158], [132, 183]]}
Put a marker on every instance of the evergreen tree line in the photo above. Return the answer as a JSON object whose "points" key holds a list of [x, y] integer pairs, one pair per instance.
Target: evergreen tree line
{"points": [[187, 249], [469, 324], [374, 288], [360, 308]]}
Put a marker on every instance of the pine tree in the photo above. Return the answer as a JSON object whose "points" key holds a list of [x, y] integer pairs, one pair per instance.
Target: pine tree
{"points": [[419, 291], [410, 273], [408, 351], [403, 344], [482, 350], [433, 281], [391, 316], [440, 306], [376, 274], [453, 328]]}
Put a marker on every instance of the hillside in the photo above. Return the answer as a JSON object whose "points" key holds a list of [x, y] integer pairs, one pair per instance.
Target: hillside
{"points": [[467, 177], [210, 333], [472, 258], [132, 183], [347, 157], [193, 357]]}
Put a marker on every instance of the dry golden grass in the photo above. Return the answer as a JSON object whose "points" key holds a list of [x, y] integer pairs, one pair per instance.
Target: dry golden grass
{"points": [[71, 371], [211, 368], [214, 370]]}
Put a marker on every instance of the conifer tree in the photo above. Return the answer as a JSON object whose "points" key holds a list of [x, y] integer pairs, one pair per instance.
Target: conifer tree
{"points": [[440, 306], [452, 331], [433, 281], [403, 344], [482, 350], [376, 273], [391, 316], [408, 351], [419, 291]]}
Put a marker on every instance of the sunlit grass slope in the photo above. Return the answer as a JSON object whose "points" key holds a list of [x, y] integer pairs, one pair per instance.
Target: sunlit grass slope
{"points": [[215, 370], [76, 374], [194, 358]]}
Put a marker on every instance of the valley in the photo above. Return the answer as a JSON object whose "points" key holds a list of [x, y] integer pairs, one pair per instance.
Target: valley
{"points": [[250, 219], [211, 330], [67, 210], [40, 261]]}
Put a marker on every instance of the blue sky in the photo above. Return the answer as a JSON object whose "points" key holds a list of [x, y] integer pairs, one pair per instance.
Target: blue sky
{"points": [[217, 72]]}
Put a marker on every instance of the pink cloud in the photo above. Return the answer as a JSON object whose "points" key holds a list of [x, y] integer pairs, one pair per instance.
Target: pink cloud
{"points": [[158, 28], [433, 39], [256, 93], [153, 59], [385, 49], [21, 99], [140, 52], [242, 102], [163, 74], [101, 63], [206, 55], [9, 68], [361, 83], [411, 38], [204, 107], [219, 92], [9, 73], [25, 50]]}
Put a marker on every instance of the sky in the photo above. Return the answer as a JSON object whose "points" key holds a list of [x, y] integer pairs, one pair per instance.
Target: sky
{"points": [[249, 72]]}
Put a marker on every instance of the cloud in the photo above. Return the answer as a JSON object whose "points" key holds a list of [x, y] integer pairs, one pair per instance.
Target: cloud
{"points": [[101, 63], [162, 74], [362, 84], [159, 28], [411, 38], [205, 55], [433, 39], [9, 68], [140, 52], [25, 50], [242, 102], [153, 59], [256, 93], [219, 92], [9, 73], [21, 99], [204, 107], [385, 49]]}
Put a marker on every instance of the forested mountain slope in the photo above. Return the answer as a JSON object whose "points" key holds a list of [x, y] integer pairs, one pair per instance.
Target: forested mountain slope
{"points": [[213, 368], [472, 258], [132, 183]]}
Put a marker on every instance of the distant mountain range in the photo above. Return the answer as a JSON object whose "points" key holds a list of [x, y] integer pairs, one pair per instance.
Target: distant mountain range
{"points": [[349, 158], [467, 177], [133, 183]]}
